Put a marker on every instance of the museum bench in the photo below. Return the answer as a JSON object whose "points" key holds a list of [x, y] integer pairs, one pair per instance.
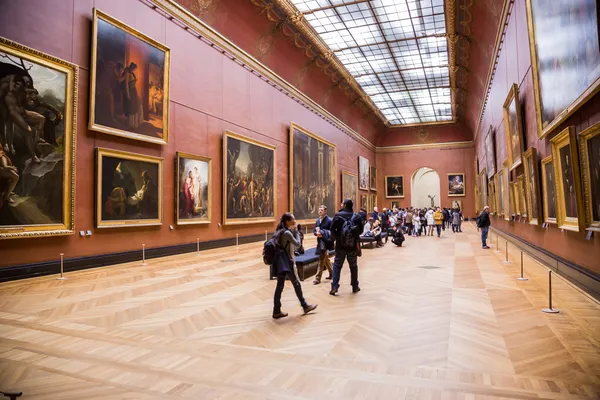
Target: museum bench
{"points": [[371, 239], [306, 264]]}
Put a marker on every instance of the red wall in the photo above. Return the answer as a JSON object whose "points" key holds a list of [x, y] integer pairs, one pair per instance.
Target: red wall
{"points": [[514, 66], [209, 94], [424, 135]]}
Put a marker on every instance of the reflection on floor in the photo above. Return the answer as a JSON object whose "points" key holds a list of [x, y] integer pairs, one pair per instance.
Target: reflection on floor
{"points": [[437, 319]]}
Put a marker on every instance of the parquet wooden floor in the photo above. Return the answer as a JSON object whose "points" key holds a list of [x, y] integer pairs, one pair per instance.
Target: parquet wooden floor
{"points": [[436, 319]]}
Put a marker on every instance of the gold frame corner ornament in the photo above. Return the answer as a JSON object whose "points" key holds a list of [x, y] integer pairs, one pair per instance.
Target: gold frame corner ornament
{"points": [[67, 226], [179, 155], [92, 125], [464, 184], [513, 95], [586, 173]]}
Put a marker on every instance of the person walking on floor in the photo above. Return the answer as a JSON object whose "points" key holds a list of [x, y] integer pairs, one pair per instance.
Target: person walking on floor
{"points": [[288, 238], [456, 219], [483, 224], [346, 229], [438, 217], [324, 243], [430, 221]]}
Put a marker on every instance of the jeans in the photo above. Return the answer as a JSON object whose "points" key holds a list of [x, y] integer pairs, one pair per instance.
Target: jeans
{"points": [[293, 277], [454, 228], [323, 263], [484, 235], [439, 229], [338, 262]]}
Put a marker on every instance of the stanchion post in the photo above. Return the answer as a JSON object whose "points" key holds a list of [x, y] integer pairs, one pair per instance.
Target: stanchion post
{"points": [[237, 239], [266, 235], [506, 250], [197, 246], [550, 310], [144, 255], [62, 268], [497, 243], [522, 278]]}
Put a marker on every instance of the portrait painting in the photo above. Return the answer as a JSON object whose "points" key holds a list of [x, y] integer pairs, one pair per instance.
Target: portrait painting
{"points": [[129, 83], [38, 110], [364, 201], [313, 174], [394, 187], [457, 204], [521, 196], [373, 176], [565, 72], [567, 182], [193, 177], [395, 205], [249, 183], [513, 127], [129, 189], [500, 193], [513, 198], [532, 186], [549, 190], [363, 173], [350, 187], [490, 154], [589, 145], [373, 201], [456, 184]]}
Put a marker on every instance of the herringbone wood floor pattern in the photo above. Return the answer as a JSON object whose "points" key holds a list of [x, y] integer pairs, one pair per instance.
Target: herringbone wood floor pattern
{"points": [[436, 319]]}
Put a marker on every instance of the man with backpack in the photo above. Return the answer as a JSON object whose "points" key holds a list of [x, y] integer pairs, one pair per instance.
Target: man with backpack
{"points": [[483, 223], [346, 229]]}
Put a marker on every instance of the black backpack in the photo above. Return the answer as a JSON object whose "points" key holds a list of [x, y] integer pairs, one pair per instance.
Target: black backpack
{"points": [[350, 232], [271, 250]]}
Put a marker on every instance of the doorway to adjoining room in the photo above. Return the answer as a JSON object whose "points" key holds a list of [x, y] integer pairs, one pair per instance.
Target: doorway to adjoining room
{"points": [[425, 188]]}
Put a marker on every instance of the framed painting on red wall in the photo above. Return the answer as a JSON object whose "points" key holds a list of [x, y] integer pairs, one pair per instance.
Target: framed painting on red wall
{"points": [[350, 187], [363, 173], [513, 127], [490, 154], [394, 186], [589, 149], [456, 184], [532, 186], [548, 190], [193, 178], [373, 178]]}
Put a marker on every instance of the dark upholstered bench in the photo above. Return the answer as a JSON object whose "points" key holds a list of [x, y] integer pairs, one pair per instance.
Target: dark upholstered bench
{"points": [[367, 239], [306, 263]]}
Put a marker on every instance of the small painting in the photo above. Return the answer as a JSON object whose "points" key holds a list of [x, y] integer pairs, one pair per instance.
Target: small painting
{"points": [[457, 204], [513, 198], [363, 173], [349, 187], [532, 185], [549, 190], [522, 196], [490, 154], [492, 196], [373, 177], [589, 149], [513, 127], [456, 184], [129, 189], [394, 187], [193, 189], [129, 93], [248, 180], [373, 201], [364, 201], [395, 205]]}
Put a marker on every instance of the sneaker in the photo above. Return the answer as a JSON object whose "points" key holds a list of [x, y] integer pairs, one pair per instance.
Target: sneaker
{"points": [[279, 315], [316, 282], [329, 277], [309, 307], [356, 290], [333, 292], [485, 247]]}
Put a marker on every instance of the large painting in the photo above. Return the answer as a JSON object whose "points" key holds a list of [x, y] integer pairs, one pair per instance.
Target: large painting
{"points": [[490, 154], [394, 187], [313, 173], [129, 189], [456, 184], [373, 177], [249, 180], [589, 145], [350, 187], [532, 186], [38, 109], [548, 190], [193, 178], [513, 127], [363, 173], [567, 182], [129, 93], [566, 72]]}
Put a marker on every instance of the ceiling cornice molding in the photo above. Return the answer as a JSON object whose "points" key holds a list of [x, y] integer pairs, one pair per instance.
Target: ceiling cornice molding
{"points": [[506, 7], [424, 146], [204, 32]]}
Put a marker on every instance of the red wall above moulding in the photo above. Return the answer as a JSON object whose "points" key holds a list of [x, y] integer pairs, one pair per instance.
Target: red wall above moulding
{"points": [[424, 135]]}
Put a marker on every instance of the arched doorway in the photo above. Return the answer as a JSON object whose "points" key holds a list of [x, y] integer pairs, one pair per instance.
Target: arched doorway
{"points": [[425, 182]]}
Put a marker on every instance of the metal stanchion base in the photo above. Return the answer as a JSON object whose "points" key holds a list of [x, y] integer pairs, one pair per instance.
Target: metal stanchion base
{"points": [[507, 262], [498, 251], [61, 279], [143, 264], [522, 278], [550, 310]]}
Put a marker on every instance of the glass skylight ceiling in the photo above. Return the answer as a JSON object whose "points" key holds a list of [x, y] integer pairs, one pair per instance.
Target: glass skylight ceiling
{"points": [[395, 49]]}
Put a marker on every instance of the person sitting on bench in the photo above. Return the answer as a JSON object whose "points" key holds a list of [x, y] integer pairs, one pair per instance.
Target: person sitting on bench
{"points": [[372, 229]]}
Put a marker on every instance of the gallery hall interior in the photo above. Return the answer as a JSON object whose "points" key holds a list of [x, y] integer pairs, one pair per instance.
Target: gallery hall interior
{"points": [[299, 199]]}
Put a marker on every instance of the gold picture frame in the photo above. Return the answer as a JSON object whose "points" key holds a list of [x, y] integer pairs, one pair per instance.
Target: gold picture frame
{"points": [[71, 75], [523, 207], [549, 190], [456, 184], [252, 142], [505, 190], [564, 146], [492, 196], [350, 179], [373, 202], [490, 153], [532, 186], [513, 127], [179, 219], [117, 200], [373, 178], [94, 123], [364, 200], [590, 172], [363, 173], [513, 198], [391, 183], [484, 188], [395, 204], [567, 21]]}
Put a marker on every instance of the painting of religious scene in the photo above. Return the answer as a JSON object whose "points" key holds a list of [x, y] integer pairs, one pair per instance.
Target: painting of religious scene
{"points": [[363, 173], [513, 127], [456, 184], [38, 103], [313, 172], [129, 189], [349, 187], [490, 154], [193, 189], [565, 71], [364, 201], [373, 177], [394, 187], [129, 82], [249, 180], [549, 190], [590, 161]]}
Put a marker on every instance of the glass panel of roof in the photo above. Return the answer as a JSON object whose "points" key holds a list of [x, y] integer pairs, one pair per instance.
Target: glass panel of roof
{"points": [[395, 49]]}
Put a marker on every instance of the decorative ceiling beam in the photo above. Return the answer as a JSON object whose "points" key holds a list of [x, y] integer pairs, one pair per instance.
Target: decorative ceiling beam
{"points": [[452, 38], [436, 35], [334, 6]]}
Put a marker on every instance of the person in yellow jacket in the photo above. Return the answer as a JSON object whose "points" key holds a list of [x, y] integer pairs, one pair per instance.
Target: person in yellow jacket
{"points": [[438, 217]]}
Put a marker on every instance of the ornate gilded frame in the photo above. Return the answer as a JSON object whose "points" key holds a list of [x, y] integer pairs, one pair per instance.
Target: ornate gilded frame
{"points": [[244, 221], [567, 138], [394, 204], [353, 175], [490, 159], [492, 196], [547, 163], [179, 156], [523, 207], [92, 98], [387, 196], [513, 198], [586, 172], [464, 184], [483, 188], [513, 96], [372, 177], [291, 164], [530, 156], [67, 226], [364, 200], [373, 201], [125, 155], [505, 181], [363, 162]]}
